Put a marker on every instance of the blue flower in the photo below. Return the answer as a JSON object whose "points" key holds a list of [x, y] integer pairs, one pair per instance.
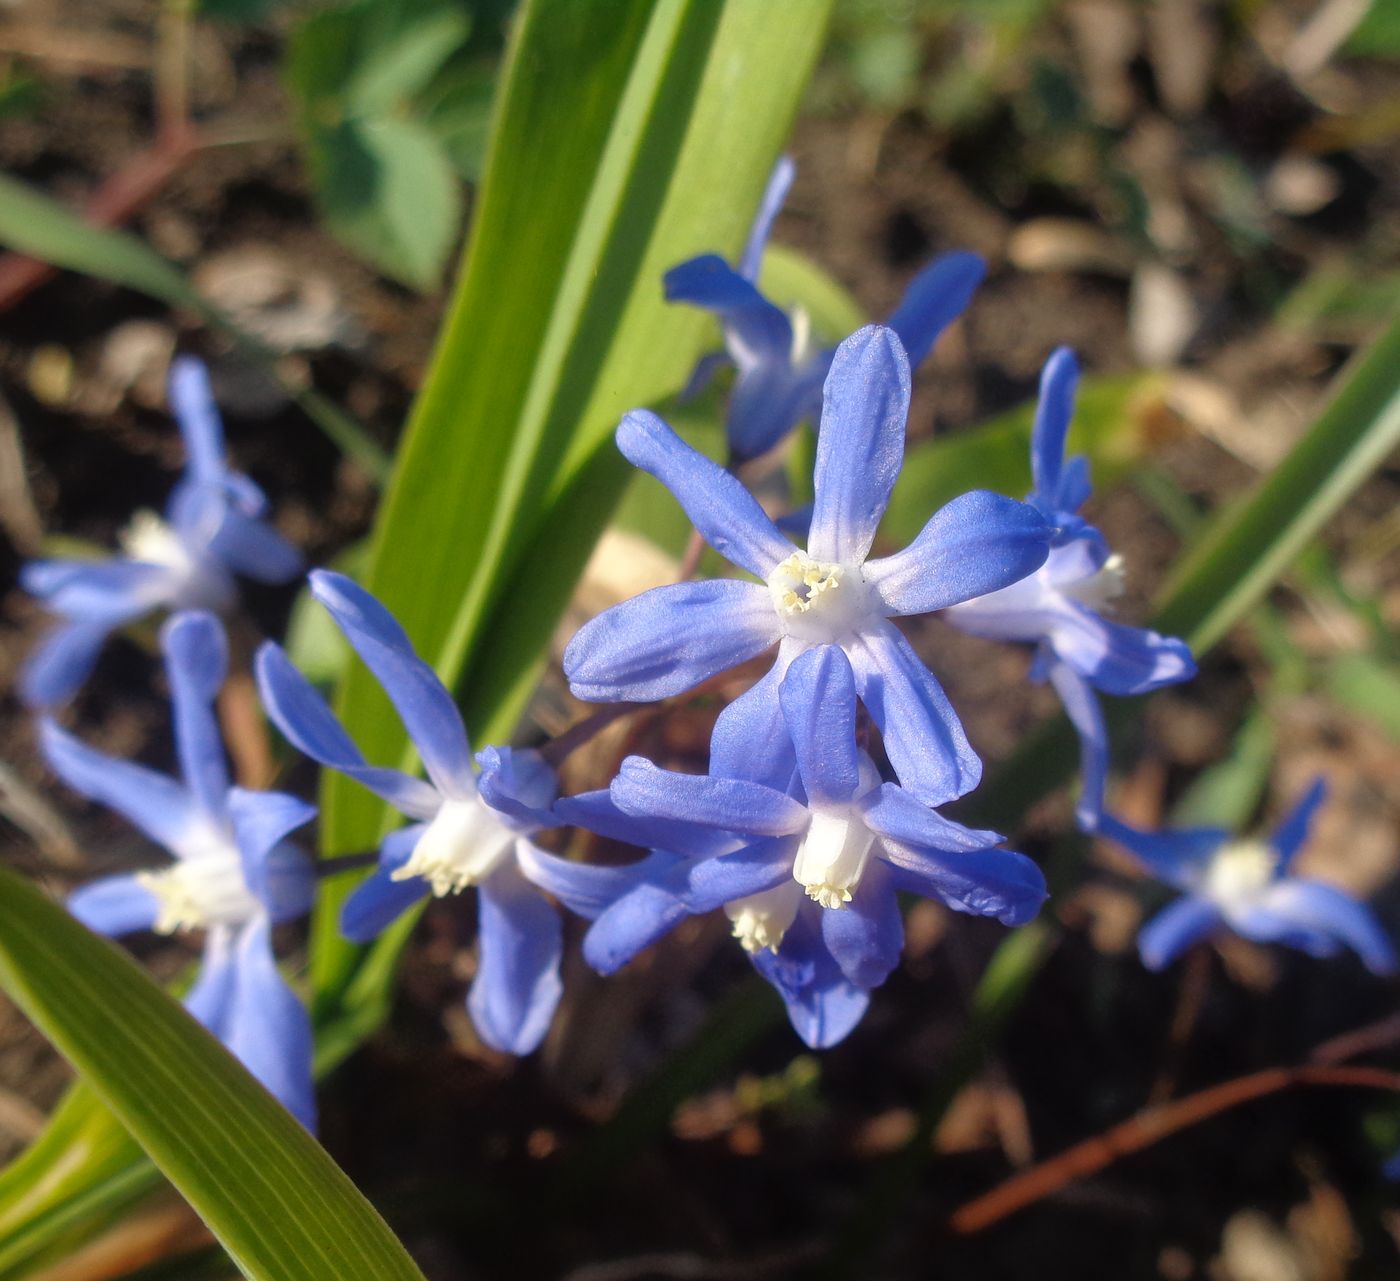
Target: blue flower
{"points": [[1247, 886], [672, 638], [468, 830], [1059, 607], [780, 370], [234, 875], [213, 528], [808, 874]]}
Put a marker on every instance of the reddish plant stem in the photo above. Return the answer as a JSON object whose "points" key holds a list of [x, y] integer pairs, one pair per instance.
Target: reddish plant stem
{"points": [[1194, 981], [578, 734], [690, 562], [1146, 1128], [116, 200]]}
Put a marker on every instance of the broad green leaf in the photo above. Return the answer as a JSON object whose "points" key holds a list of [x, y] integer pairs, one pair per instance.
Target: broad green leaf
{"points": [[277, 1203], [31, 223], [791, 279], [1228, 793], [403, 59], [389, 192], [629, 135]]}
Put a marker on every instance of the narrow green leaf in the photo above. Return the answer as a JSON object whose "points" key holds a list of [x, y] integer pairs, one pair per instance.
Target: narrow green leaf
{"points": [[277, 1203], [793, 280], [1228, 793], [31, 223], [1249, 545], [1368, 686]]}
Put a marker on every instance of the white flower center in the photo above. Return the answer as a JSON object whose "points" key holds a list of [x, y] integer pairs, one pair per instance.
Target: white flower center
{"points": [[1100, 589], [149, 539], [832, 857], [203, 889], [761, 920], [1239, 871], [818, 602], [463, 845]]}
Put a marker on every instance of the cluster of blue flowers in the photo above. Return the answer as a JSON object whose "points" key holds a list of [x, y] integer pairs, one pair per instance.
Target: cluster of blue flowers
{"points": [[795, 833]]}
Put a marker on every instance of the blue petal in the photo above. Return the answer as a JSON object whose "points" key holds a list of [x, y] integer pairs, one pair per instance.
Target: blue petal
{"points": [[978, 543], [891, 811], [1319, 919], [669, 639], [1175, 928], [428, 712], [750, 739], [725, 513], [729, 804], [936, 297], [1115, 658], [114, 905], [597, 812], [999, 883], [278, 873], [635, 921], [867, 935], [268, 1028], [379, 900], [64, 659], [924, 739], [293, 705], [520, 784], [861, 444], [517, 985], [754, 329], [252, 547], [1053, 412], [589, 889], [779, 182], [761, 866], [1291, 834], [196, 662], [210, 997], [158, 805], [769, 400], [192, 403], [1086, 716], [1178, 857], [103, 591], [819, 705], [822, 1004]]}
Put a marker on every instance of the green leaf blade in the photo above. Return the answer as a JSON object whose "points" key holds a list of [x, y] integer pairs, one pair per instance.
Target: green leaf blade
{"points": [[278, 1204]]}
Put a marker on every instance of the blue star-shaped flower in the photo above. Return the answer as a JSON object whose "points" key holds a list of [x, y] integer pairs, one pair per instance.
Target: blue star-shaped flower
{"points": [[780, 370], [672, 638], [469, 829], [1059, 607], [808, 874], [1247, 886], [234, 875], [213, 528]]}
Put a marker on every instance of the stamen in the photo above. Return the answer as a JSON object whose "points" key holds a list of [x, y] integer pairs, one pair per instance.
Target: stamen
{"points": [[200, 891], [1100, 589], [1239, 871], [761, 920], [462, 846], [149, 539], [799, 582], [832, 857]]}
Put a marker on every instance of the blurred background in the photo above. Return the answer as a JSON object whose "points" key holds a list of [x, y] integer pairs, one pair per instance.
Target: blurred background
{"points": [[1203, 199]]}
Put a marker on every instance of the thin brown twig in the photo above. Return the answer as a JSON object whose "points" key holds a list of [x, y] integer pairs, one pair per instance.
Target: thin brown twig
{"points": [[1150, 1126]]}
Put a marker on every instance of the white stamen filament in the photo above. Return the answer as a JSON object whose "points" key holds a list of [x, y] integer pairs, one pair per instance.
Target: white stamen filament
{"points": [[761, 920], [832, 857], [801, 336], [202, 890], [1101, 589], [463, 845], [149, 539], [1239, 871]]}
